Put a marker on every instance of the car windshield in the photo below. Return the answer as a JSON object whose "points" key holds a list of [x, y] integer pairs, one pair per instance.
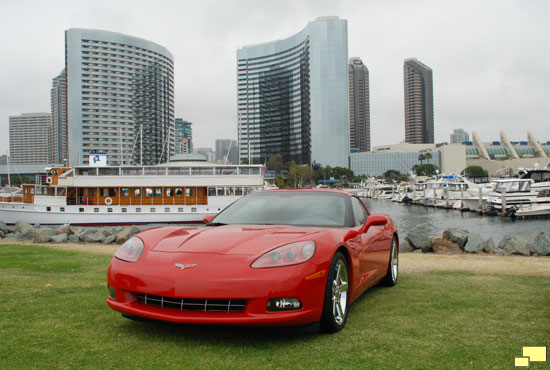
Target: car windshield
{"points": [[298, 208]]}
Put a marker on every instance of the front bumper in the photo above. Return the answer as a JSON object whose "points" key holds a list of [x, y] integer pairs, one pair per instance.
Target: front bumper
{"points": [[217, 277]]}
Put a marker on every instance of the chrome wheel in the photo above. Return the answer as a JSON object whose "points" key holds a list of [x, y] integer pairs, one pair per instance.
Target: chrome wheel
{"points": [[336, 301], [340, 288], [394, 260]]}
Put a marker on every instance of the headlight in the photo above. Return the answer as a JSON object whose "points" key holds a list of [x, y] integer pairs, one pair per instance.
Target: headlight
{"points": [[290, 254], [131, 250]]}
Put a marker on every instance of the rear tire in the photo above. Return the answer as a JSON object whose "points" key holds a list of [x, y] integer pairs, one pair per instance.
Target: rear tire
{"points": [[393, 264], [336, 303]]}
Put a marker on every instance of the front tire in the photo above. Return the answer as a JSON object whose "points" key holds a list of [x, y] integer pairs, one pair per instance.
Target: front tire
{"points": [[335, 305], [393, 264]]}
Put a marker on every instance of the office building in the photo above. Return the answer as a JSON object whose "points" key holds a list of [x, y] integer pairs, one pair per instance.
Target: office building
{"points": [[419, 105], [359, 106], [58, 134], [184, 137], [293, 97], [120, 98], [30, 138], [459, 136]]}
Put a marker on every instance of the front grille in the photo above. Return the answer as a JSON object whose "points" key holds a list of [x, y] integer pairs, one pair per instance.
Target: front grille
{"points": [[193, 304]]}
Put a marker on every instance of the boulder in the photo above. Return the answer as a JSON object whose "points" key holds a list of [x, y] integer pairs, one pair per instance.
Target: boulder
{"points": [[490, 247], [81, 233], [405, 246], [2, 235], [12, 229], [541, 244], [97, 236], [36, 225], [126, 233], [419, 237], [65, 229], [445, 246], [42, 235], [59, 238], [23, 228], [74, 238], [515, 245], [4, 227], [457, 235], [474, 243], [109, 239]]}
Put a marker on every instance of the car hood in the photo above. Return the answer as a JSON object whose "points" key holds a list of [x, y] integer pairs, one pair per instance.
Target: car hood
{"points": [[227, 240]]}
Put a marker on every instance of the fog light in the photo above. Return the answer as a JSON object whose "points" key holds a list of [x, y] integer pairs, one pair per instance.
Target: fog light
{"points": [[284, 304], [112, 293]]}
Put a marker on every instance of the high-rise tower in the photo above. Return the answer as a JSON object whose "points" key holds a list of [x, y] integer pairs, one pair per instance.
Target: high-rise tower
{"points": [[419, 105], [359, 105], [120, 98], [293, 97]]}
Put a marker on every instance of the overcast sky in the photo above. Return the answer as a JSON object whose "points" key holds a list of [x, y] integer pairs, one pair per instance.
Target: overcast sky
{"points": [[490, 59]]}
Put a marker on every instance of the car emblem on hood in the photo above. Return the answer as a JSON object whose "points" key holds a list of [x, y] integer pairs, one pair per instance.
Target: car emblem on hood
{"points": [[183, 267]]}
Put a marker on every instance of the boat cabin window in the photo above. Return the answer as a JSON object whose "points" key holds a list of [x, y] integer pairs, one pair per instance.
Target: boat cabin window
{"points": [[179, 191], [158, 192], [238, 191], [108, 192], [125, 192], [61, 192], [211, 192], [228, 191], [189, 192], [148, 192], [169, 192], [219, 192], [137, 192]]}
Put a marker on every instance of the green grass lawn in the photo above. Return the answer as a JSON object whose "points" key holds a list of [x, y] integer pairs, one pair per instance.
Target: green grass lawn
{"points": [[53, 315]]}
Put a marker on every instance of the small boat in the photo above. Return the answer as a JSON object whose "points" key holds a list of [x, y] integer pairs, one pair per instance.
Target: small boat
{"points": [[509, 195]]}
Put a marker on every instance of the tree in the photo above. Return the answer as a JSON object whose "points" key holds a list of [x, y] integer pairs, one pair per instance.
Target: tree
{"points": [[428, 156], [341, 173], [300, 175], [274, 163], [475, 171], [421, 158], [426, 169], [392, 175]]}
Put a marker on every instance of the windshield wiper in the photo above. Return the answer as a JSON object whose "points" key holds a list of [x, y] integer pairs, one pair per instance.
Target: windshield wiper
{"points": [[215, 224]]}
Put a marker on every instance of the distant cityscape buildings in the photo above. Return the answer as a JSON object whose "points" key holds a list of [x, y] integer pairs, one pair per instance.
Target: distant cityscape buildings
{"points": [[293, 97], [30, 138], [359, 105], [119, 98], [58, 134], [419, 105], [184, 136], [459, 136]]}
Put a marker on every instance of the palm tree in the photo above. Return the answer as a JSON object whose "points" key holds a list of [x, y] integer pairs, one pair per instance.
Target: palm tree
{"points": [[428, 156], [421, 157]]}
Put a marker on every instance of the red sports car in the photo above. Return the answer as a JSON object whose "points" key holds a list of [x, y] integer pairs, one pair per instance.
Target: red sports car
{"points": [[272, 258]]}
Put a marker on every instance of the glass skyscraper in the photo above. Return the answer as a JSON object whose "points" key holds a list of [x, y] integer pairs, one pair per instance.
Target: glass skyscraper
{"points": [[419, 102], [359, 105], [120, 98], [293, 96]]}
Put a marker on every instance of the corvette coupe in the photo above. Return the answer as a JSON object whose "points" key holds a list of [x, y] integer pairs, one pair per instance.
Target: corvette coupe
{"points": [[272, 258]]}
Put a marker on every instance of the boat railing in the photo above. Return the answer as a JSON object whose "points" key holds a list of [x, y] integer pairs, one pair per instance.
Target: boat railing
{"points": [[244, 170]]}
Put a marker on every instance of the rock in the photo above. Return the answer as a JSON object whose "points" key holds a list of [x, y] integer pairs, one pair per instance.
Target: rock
{"points": [[12, 229], [97, 236], [445, 246], [74, 238], [23, 228], [541, 245], [65, 229], [474, 243], [4, 227], [126, 233], [2, 235], [42, 235], [457, 235], [504, 241], [405, 246], [419, 237], [490, 247], [109, 239], [516, 245], [59, 238], [36, 225], [81, 233]]}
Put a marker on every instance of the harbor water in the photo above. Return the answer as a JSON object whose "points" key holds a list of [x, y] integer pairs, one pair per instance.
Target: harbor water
{"points": [[436, 220]]}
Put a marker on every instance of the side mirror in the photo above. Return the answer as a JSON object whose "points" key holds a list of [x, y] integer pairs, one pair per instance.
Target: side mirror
{"points": [[208, 218], [373, 220]]}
